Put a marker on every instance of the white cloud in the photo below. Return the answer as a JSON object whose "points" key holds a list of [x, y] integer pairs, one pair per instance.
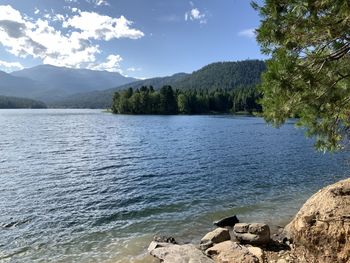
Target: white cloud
{"points": [[8, 13], [249, 33], [112, 64], [96, 26], [93, 2], [58, 17], [195, 15], [75, 10], [77, 48], [132, 69], [10, 66], [48, 16], [100, 2], [36, 11]]}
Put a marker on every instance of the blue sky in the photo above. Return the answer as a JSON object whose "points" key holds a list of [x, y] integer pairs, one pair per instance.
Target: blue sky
{"points": [[137, 38]]}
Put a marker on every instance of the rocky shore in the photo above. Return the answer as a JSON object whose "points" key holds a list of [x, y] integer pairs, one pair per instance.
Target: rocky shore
{"points": [[319, 233]]}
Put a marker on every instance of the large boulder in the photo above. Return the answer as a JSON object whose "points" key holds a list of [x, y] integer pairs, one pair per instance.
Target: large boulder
{"points": [[231, 252], [321, 229], [255, 233]]}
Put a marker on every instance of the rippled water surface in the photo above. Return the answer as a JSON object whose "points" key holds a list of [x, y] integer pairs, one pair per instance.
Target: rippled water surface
{"points": [[88, 186]]}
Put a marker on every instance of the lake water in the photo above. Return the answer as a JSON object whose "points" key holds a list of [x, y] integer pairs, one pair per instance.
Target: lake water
{"points": [[88, 186]]}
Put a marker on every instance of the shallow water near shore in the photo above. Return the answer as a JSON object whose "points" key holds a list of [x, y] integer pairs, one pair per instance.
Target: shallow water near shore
{"points": [[88, 186]]}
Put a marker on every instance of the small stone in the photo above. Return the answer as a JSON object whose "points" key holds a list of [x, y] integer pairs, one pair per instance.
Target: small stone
{"points": [[282, 260], [216, 236]]}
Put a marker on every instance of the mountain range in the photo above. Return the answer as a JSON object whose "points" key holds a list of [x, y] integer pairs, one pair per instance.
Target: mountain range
{"points": [[83, 88], [50, 83]]}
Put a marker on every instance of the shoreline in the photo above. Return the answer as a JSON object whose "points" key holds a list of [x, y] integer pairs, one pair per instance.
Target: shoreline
{"points": [[319, 232]]}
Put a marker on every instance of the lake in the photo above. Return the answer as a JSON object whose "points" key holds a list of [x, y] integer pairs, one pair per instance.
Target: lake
{"points": [[89, 186]]}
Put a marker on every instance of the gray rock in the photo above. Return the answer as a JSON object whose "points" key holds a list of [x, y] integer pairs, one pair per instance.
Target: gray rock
{"points": [[248, 238], [172, 253], [241, 228], [227, 221], [216, 236], [259, 229], [255, 233]]}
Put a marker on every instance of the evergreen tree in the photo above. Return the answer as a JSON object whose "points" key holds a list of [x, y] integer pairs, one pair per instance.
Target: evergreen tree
{"points": [[168, 103], [182, 104], [308, 74]]}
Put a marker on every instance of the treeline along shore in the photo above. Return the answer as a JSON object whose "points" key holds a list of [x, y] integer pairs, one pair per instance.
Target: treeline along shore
{"points": [[147, 100], [7, 102]]}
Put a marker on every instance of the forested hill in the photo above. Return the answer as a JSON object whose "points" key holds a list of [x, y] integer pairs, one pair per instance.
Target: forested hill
{"points": [[220, 75], [224, 75], [20, 103]]}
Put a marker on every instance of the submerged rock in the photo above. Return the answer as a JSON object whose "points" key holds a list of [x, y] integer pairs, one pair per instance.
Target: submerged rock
{"points": [[164, 239], [227, 221], [8, 225], [255, 233], [321, 229], [13, 223]]}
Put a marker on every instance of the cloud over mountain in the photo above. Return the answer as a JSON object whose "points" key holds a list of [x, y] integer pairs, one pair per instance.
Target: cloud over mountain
{"points": [[62, 40]]}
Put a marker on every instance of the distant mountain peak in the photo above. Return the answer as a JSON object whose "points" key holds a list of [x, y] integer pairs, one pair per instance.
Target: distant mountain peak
{"points": [[58, 82]]}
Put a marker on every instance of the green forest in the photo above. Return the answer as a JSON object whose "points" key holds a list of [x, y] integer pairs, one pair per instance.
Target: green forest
{"points": [[223, 87], [20, 103], [147, 100]]}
